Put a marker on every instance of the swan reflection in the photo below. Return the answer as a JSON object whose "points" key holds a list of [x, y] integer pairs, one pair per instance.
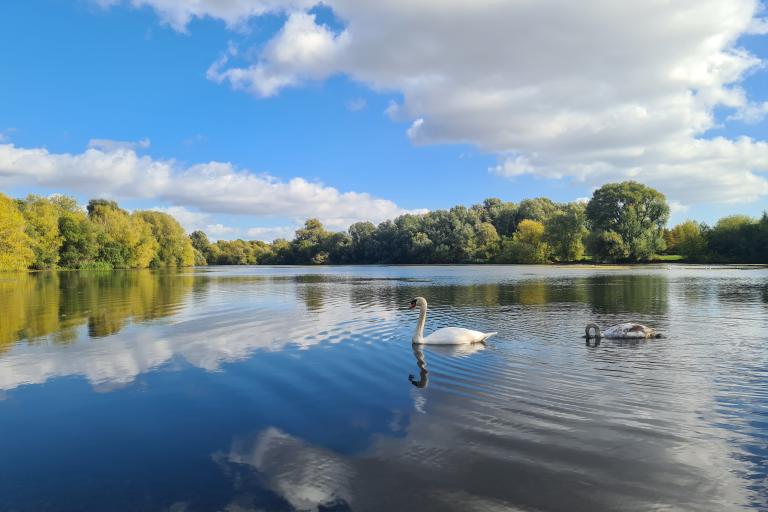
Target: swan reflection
{"points": [[444, 350]]}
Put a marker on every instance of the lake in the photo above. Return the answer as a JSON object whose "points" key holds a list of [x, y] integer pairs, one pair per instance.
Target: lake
{"points": [[297, 388]]}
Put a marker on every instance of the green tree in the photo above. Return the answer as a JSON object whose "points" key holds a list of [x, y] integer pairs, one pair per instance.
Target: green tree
{"points": [[527, 245], [79, 248], [565, 230], [201, 245], [309, 242], [16, 252], [731, 240], [282, 252], [502, 215], [339, 248], [608, 246], [96, 205], [538, 209], [633, 212], [363, 235]]}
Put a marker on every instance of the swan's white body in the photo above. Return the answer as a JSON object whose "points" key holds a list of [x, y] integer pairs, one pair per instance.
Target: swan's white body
{"points": [[446, 335], [626, 331]]}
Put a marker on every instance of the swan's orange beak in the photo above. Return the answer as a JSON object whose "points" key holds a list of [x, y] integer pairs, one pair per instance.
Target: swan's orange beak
{"points": [[411, 305]]}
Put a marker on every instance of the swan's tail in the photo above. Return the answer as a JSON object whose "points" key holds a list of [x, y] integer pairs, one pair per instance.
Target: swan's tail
{"points": [[489, 334]]}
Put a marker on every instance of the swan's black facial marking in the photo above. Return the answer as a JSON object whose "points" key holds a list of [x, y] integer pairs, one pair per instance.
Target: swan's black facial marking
{"points": [[413, 304]]}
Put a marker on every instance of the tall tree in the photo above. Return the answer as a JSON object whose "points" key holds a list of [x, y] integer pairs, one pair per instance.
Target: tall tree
{"points": [[634, 213], [201, 245], [309, 243]]}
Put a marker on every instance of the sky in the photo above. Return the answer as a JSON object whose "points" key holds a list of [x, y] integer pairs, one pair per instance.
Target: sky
{"points": [[245, 117]]}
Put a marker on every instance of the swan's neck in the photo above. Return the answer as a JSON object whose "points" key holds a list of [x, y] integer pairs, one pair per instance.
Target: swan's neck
{"points": [[419, 334]]}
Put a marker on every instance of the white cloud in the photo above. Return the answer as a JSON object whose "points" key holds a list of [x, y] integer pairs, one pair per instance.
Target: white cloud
{"points": [[587, 91], [513, 166], [220, 230], [114, 145], [751, 113], [178, 13], [213, 187], [269, 234], [190, 220], [302, 50], [194, 220], [759, 26]]}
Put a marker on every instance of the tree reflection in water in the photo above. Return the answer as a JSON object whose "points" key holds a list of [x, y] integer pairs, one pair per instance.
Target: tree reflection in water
{"points": [[55, 304]]}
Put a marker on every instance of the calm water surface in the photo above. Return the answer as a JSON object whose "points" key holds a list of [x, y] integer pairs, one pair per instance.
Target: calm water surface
{"points": [[285, 388]]}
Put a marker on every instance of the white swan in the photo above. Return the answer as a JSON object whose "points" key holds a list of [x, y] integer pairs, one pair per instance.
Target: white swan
{"points": [[446, 335], [627, 330]]}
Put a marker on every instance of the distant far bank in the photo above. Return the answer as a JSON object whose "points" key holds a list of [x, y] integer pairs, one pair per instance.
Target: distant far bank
{"points": [[622, 223]]}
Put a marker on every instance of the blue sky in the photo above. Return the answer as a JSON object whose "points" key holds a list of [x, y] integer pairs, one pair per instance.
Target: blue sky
{"points": [[143, 75]]}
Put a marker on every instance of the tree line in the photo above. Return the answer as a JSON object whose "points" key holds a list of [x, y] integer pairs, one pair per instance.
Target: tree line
{"points": [[42, 233], [622, 222]]}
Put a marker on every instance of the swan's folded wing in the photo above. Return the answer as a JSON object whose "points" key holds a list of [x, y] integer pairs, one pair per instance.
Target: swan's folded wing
{"points": [[454, 336], [626, 330]]}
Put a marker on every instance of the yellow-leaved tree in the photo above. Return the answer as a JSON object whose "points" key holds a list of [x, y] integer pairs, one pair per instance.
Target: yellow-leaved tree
{"points": [[42, 226], [124, 240], [15, 245], [174, 246]]}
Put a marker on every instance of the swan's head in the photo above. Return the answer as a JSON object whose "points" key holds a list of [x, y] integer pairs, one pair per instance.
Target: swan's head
{"points": [[417, 301]]}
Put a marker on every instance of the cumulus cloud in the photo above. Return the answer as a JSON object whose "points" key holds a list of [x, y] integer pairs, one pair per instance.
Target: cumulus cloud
{"points": [[212, 187], [590, 92], [302, 50]]}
